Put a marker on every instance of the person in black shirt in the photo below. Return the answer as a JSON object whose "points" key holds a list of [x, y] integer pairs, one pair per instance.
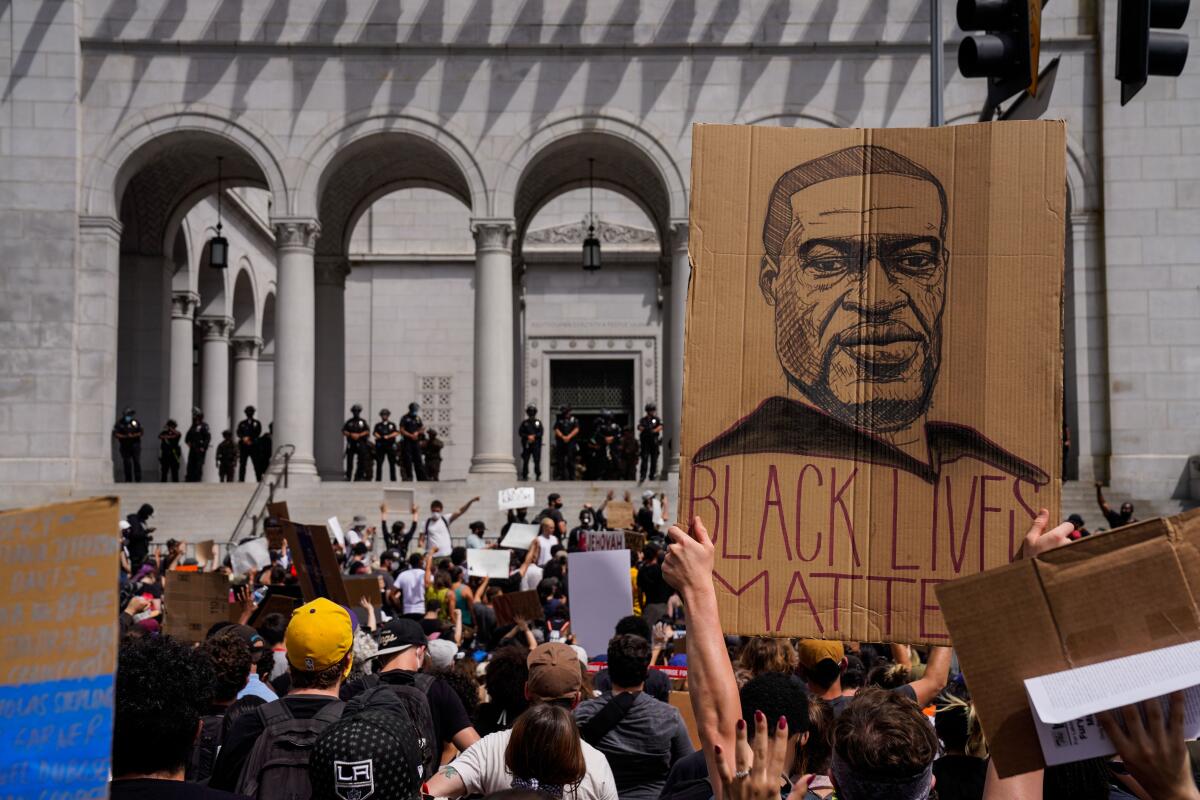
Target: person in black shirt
{"points": [[411, 428], [650, 429], [169, 452], [531, 431], [248, 431], [653, 587], [566, 443], [128, 433], [605, 454], [643, 520], [355, 432], [137, 537], [385, 434], [1115, 518], [162, 689], [198, 438]]}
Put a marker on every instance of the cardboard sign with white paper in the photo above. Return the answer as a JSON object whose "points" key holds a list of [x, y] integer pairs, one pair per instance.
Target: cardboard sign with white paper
{"points": [[520, 535], [862, 305], [600, 594], [488, 563], [254, 554], [520, 497]]}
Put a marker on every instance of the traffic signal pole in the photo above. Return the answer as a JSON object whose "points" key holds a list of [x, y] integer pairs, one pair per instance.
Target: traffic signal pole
{"points": [[937, 53]]}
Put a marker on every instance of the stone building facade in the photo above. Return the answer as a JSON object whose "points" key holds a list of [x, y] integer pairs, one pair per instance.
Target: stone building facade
{"points": [[334, 120]]}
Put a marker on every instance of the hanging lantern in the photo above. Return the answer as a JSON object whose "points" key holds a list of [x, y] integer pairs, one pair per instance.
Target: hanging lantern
{"points": [[218, 246], [591, 245]]}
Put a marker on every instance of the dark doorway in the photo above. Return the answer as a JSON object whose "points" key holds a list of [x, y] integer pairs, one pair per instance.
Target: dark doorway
{"points": [[592, 386]]}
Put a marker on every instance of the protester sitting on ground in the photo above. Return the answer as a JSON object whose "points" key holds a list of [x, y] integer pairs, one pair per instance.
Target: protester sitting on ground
{"points": [[373, 752], [400, 660], [544, 752], [460, 597], [162, 690], [642, 737], [883, 748], [554, 679], [762, 654], [318, 641], [229, 656], [1115, 518], [658, 685], [504, 679], [822, 662]]}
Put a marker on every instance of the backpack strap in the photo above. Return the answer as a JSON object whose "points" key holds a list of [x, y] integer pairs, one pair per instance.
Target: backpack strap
{"points": [[331, 712], [270, 713], [607, 718], [424, 681]]}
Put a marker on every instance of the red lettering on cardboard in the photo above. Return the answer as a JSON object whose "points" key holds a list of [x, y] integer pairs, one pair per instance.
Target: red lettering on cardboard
{"points": [[957, 560], [799, 516], [763, 576], [895, 528], [693, 498], [984, 508], [925, 606], [835, 500], [772, 498], [798, 578], [838, 577], [887, 597]]}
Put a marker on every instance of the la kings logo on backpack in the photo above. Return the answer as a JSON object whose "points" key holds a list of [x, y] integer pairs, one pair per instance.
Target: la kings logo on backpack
{"points": [[353, 780]]}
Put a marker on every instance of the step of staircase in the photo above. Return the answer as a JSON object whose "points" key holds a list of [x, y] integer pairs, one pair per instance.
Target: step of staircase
{"points": [[1079, 497]]}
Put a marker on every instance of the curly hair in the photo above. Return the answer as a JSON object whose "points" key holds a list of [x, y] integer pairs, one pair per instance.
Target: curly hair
{"points": [[230, 659], [762, 654], [505, 678], [775, 695], [162, 688], [464, 685], [628, 660]]}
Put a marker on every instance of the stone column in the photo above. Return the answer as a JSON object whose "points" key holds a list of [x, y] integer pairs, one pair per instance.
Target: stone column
{"points": [[295, 342], [1090, 435], [94, 393], [681, 272], [214, 383], [330, 391], [181, 393], [245, 375], [494, 390]]}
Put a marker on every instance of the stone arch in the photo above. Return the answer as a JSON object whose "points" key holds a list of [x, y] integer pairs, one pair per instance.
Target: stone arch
{"points": [[646, 146], [145, 137], [764, 115], [244, 306], [267, 317]]}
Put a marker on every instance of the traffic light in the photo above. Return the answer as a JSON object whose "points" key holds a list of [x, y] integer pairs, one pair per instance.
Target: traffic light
{"points": [[1142, 52], [1007, 54]]}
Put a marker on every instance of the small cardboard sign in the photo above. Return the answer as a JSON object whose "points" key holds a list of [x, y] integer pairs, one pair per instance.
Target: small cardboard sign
{"points": [[316, 563], [278, 510], [600, 594], [520, 497], [511, 605], [195, 601], [275, 602], [490, 563], [58, 621], [862, 304], [520, 536], [1039, 616], [398, 500], [206, 552], [619, 515]]}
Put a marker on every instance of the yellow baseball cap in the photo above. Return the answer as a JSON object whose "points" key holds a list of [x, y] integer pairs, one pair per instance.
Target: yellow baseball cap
{"points": [[318, 636], [814, 651]]}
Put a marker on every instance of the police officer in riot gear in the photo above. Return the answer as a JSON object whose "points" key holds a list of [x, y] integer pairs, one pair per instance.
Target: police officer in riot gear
{"points": [[650, 428], [198, 438], [248, 432], [386, 433], [605, 443], [356, 430], [411, 428], [530, 431], [169, 452], [566, 443], [128, 433]]}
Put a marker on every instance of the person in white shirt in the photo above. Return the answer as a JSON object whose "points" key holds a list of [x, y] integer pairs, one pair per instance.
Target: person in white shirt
{"points": [[555, 680], [546, 539], [437, 527], [530, 572], [410, 584]]}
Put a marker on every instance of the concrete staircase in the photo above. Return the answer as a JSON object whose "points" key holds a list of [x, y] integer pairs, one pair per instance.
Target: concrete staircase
{"points": [[1079, 497], [193, 512]]}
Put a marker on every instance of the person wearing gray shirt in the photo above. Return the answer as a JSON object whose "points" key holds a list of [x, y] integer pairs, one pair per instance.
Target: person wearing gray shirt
{"points": [[640, 736]]}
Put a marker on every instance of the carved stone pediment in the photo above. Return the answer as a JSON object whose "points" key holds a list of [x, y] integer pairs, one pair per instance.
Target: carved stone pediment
{"points": [[609, 233]]}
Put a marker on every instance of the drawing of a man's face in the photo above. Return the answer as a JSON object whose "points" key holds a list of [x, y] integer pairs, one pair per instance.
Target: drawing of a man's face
{"points": [[858, 290]]}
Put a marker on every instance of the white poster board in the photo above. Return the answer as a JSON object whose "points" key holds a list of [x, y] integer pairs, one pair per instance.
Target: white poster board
{"points": [[254, 554], [657, 508], [600, 594], [335, 528], [483, 563], [519, 497], [520, 535]]}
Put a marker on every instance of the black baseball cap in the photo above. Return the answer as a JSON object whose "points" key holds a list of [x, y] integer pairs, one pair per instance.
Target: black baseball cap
{"points": [[400, 635], [375, 753]]}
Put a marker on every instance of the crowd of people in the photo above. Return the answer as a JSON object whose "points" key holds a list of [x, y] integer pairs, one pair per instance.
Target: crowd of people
{"points": [[425, 691]]}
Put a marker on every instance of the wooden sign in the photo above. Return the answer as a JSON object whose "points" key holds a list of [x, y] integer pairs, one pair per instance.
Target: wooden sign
{"points": [[517, 604]]}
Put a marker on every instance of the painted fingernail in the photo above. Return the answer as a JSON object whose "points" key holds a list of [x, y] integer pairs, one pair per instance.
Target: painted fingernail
{"points": [[717, 749], [741, 726], [782, 723], [759, 716]]}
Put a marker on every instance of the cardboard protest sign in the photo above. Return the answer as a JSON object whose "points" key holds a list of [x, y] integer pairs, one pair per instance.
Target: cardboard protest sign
{"points": [[194, 602], [619, 514], [600, 594], [58, 611], [520, 535], [488, 563], [873, 367], [511, 605], [398, 500], [316, 564], [1040, 616], [277, 601], [615, 540], [520, 497], [206, 551], [683, 702]]}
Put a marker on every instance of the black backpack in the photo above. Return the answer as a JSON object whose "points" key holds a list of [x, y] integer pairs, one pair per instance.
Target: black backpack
{"points": [[277, 768], [204, 749], [369, 691]]}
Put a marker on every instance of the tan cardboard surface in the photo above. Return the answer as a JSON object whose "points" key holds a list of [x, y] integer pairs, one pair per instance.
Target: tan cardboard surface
{"points": [[511, 605], [619, 514], [58, 567], [1110, 595], [873, 367], [683, 702], [195, 601]]}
